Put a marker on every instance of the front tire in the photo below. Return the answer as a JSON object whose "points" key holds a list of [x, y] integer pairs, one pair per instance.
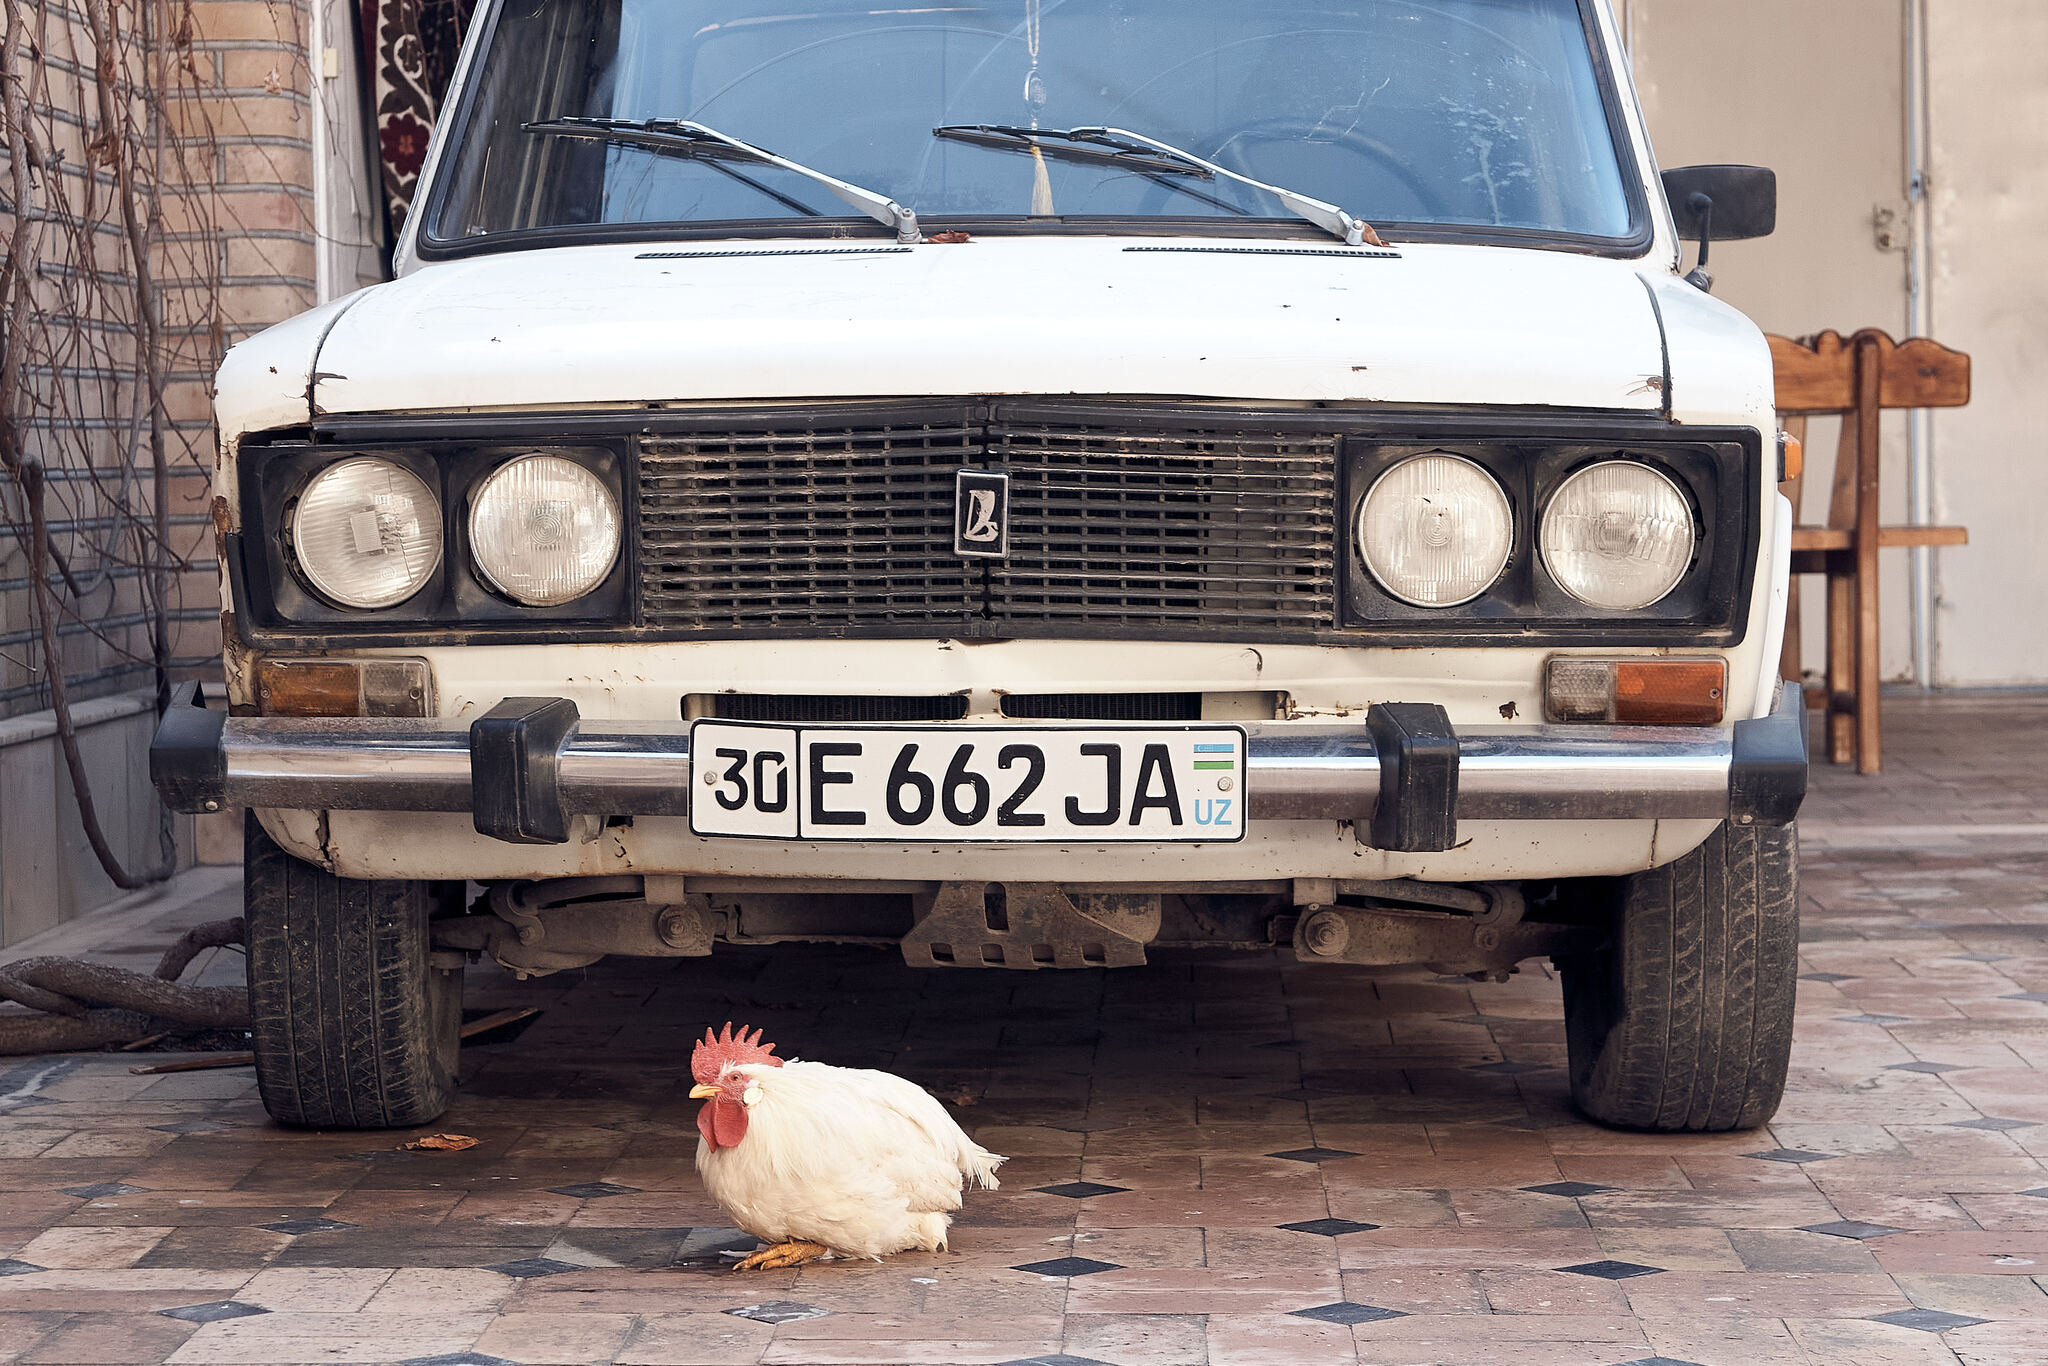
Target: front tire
{"points": [[354, 1027], [1683, 1020]]}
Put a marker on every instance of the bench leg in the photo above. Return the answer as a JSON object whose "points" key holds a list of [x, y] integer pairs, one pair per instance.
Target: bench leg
{"points": [[1841, 710]]}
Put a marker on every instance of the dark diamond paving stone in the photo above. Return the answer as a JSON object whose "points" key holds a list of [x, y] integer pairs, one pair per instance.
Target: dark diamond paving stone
{"points": [[1329, 1228], [1928, 1067], [1790, 1155], [779, 1311], [527, 1267], [1612, 1271], [213, 1312], [702, 1249], [295, 1227], [1536, 1122], [594, 1190], [101, 1189], [1510, 1069], [14, 1266], [1868, 1018], [1348, 1312], [2026, 996], [2038, 1192], [1313, 1154], [1827, 977], [1926, 1320], [1573, 1189], [1850, 1228], [1080, 1190], [190, 1126], [1057, 1359], [1068, 1266], [1981, 957], [458, 1359], [1995, 1124]]}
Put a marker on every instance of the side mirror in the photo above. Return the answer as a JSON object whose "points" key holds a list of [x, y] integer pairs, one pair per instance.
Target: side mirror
{"points": [[1721, 204]]}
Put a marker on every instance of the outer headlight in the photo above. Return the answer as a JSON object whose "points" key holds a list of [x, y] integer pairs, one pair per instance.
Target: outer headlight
{"points": [[367, 533], [543, 530], [1617, 535], [1436, 530]]}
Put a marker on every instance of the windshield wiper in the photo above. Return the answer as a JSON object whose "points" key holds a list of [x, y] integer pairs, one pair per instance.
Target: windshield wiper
{"points": [[683, 138], [1135, 151]]}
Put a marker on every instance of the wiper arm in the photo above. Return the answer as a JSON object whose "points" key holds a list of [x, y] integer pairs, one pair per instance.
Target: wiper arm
{"points": [[1073, 144], [1135, 151], [681, 137]]}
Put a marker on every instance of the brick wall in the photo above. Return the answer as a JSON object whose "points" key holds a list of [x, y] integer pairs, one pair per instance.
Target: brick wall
{"points": [[234, 255]]}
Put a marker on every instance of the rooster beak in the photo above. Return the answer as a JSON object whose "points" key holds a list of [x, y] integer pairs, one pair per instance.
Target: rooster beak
{"points": [[701, 1091]]}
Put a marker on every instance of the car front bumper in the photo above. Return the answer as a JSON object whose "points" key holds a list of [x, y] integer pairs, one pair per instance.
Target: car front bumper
{"points": [[1404, 777]]}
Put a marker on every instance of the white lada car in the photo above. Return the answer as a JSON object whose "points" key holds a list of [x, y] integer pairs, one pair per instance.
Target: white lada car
{"points": [[1025, 483]]}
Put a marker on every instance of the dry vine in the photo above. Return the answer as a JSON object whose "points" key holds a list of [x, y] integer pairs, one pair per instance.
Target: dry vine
{"points": [[104, 127], [90, 1005]]}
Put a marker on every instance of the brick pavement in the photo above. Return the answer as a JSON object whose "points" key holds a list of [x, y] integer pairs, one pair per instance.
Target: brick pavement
{"points": [[1227, 1160]]}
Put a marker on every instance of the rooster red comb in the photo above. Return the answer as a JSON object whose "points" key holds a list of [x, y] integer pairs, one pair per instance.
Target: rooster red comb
{"points": [[716, 1052]]}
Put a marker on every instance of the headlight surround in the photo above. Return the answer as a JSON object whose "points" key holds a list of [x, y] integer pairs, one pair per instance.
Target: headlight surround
{"points": [[366, 533], [544, 530], [1618, 535], [1435, 530]]}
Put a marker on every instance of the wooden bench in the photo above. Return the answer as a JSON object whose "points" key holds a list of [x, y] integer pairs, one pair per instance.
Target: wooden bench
{"points": [[1856, 379]]}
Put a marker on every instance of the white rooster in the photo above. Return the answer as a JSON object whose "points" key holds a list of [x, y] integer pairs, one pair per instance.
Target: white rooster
{"points": [[817, 1160]]}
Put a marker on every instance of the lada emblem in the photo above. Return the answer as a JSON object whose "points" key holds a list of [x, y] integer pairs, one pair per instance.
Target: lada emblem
{"points": [[981, 515]]}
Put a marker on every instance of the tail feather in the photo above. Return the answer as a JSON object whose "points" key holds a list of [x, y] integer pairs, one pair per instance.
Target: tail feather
{"points": [[979, 1165]]}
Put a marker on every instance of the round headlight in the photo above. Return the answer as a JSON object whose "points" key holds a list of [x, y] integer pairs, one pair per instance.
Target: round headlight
{"points": [[1436, 530], [543, 530], [366, 533], [1617, 535]]}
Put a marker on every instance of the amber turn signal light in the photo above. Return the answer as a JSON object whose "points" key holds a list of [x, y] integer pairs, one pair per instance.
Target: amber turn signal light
{"points": [[1791, 458], [343, 687], [1637, 692]]}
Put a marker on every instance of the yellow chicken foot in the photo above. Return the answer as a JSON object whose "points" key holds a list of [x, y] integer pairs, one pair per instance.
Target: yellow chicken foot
{"points": [[778, 1255]]}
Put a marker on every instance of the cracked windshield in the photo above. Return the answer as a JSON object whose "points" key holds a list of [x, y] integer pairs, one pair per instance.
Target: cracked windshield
{"points": [[1471, 115]]}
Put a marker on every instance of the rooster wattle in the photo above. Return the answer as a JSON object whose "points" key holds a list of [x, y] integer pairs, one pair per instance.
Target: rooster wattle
{"points": [[814, 1159]]}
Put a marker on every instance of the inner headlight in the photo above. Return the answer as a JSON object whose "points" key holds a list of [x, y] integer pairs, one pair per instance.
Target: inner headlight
{"points": [[543, 530], [1617, 535], [1436, 530], [366, 533]]}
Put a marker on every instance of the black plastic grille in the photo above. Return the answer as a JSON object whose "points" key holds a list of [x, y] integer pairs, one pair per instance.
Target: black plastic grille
{"points": [[791, 708], [805, 529], [1114, 706], [1206, 530], [1116, 528]]}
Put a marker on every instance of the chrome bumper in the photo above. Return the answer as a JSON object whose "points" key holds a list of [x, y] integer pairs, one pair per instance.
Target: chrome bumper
{"points": [[1403, 789]]}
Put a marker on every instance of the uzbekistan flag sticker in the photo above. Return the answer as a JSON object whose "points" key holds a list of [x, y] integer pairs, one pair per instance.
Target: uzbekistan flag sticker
{"points": [[1223, 756]]}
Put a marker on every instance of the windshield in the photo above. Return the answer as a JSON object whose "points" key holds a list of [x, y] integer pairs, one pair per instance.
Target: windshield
{"points": [[1472, 115]]}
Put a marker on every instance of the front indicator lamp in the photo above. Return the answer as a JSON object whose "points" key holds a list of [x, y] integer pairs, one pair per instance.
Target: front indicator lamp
{"points": [[366, 533], [543, 530], [1435, 530], [1617, 535]]}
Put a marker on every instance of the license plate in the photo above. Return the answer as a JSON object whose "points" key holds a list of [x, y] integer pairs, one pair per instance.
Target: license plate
{"points": [[968, 784]]}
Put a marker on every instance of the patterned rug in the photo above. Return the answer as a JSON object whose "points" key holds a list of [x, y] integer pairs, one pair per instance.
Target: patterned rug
{"points": [[411, 47]]}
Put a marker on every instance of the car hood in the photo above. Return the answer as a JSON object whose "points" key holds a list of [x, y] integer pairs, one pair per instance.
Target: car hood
{"points": [[632, 324]]}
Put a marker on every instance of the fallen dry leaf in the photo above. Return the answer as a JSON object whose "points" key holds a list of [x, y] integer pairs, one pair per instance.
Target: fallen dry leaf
{"points": [[963, 1099], [440, 1143], [952, 237]]}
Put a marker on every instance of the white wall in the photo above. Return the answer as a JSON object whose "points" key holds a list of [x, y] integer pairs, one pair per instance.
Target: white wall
{"points": [[1988, 64]]}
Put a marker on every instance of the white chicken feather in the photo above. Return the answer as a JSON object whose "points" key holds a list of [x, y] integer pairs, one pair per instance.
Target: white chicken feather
{"points": [[853, 1162]]}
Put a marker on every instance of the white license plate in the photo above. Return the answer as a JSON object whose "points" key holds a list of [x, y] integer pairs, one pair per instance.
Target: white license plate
{"points": [[957, 784]]}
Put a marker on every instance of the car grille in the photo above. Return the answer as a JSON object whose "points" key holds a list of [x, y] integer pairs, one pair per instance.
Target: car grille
{"points": [[803, 526]]}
